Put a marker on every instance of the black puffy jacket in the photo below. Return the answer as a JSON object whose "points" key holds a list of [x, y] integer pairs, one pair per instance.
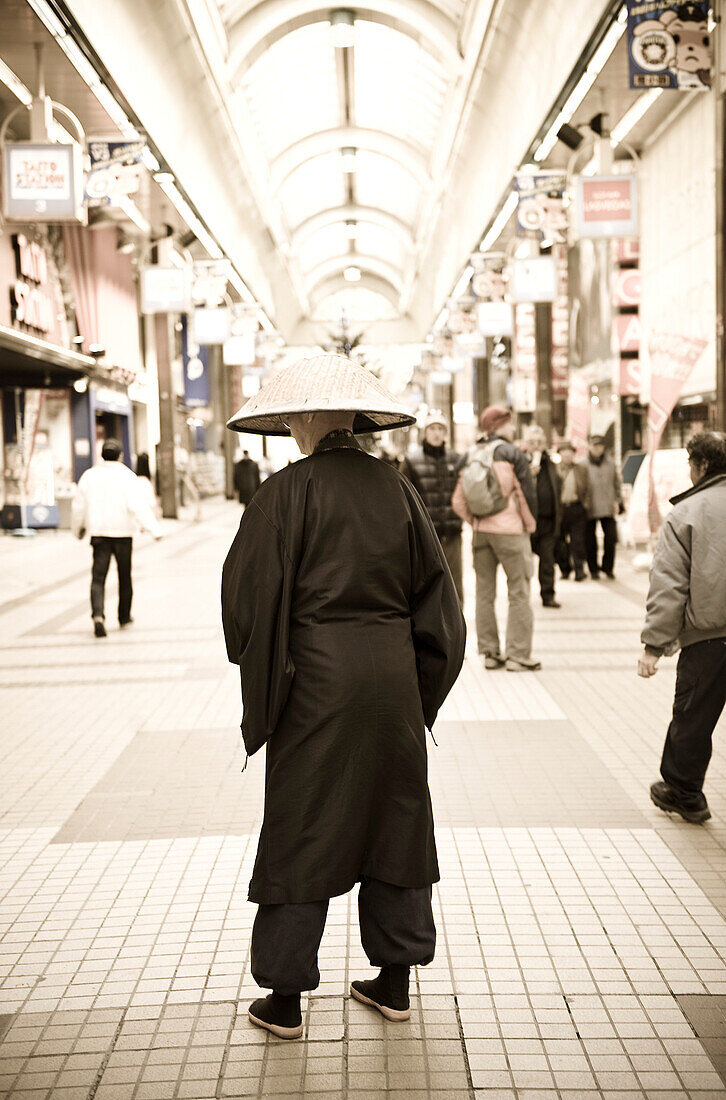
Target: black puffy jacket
{"points": [[433, 472]]}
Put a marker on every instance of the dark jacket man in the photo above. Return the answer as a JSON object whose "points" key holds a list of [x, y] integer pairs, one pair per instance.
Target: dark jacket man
{"points": [[575, 501], [246, 478], [433, 469], [686, 608]]}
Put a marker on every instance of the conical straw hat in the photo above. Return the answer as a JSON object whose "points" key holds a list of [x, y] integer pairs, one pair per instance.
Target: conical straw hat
{"points": [[325, 383]]}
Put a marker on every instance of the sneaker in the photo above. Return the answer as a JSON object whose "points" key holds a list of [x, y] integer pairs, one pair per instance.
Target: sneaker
{"points": [[279, 1015], [665, 798], [99, 628], [388, 993], [551, 603], [522, 664], [492, 660]]}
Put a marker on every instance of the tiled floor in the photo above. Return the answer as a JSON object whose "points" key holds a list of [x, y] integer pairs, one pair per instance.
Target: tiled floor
{"points": [[582, 934]]}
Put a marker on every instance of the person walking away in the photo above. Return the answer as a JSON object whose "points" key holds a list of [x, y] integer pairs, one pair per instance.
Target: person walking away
{"points": [[146, 485], [575, 501], [547, 533], [606, 501], [433, 470], [339, 608], [686, 608], [502, 539], [110, 508], [246, 478]]}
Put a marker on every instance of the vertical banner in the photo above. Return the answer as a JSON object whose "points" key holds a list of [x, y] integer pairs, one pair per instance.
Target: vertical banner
{"points": [[114, 173], [578, 411], [524, 375], [560, 327], [196, 371], [669, 45], [540, 205], [672, 358]]}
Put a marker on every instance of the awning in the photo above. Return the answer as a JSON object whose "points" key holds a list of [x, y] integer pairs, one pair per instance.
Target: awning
{"points": [[28, 360]]}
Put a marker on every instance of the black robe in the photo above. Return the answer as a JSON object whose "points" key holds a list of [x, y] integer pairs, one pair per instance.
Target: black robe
{"points": [[341, 612]]}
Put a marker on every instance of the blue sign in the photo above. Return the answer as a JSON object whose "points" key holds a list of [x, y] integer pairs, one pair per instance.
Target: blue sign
{"points": [[669, 45], [195, 361]]}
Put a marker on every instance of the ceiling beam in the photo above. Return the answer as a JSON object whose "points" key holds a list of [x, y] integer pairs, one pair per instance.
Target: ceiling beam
{"points": [[368, 281], [325, 141], [372, 265], [352, 212], [270, 20]]}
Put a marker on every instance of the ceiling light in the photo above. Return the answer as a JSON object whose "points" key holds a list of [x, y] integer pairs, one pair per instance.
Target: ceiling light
{"points": [[602, 54], [163, 178], [351, 230], [347, 158], [632, 117], [80, 385], [342, 28], [352, 274], [14, 84], [499, 222]]}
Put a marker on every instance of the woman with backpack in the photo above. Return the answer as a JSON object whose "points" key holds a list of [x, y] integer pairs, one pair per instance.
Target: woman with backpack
{"points": [[495, 494]]}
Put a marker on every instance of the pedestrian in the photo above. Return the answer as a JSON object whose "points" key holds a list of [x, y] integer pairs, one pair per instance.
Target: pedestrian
{"points": [[502, 539], [575, 501], [686, 609], [605, 502], [433, 470], [109, 507], [341, 612], [547, 533], [246, 478], [145, 484]]}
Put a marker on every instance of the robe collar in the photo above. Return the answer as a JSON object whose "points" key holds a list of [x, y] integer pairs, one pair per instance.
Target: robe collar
{"points": [[338, 439]]}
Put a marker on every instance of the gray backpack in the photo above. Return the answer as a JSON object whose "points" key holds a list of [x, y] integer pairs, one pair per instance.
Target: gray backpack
{"points": [[480, 482]]}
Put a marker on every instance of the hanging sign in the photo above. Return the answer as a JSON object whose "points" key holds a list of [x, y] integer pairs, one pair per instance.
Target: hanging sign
{"points": [[196, 371], [43, 182], [669, 45], [495, 319], [115, 171], [607, 206], [164, 289], [209, 281], [488, 283], [540, 204], [524, 375], [211, 326], [560, 350], [533, 279]]}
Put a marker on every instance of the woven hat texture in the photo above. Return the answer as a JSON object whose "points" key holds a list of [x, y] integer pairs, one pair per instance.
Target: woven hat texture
{"points": [[324, 383]]}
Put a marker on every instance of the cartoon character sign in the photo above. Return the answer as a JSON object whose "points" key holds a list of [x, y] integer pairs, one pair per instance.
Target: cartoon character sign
{"points": [[669, 44], [540, 206]]}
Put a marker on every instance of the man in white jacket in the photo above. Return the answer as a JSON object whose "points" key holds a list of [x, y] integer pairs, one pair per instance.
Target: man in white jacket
{"points": [[110, 508]]}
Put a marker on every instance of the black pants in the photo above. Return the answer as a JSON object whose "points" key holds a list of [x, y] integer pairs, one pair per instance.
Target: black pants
{"points": [[451, 545], [571, 548], [699, 700], [610, 538], [103, 550], [545, 545], [396, 928]]}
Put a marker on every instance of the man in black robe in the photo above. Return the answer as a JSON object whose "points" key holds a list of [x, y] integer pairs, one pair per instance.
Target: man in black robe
{"points": [[341, 611]]}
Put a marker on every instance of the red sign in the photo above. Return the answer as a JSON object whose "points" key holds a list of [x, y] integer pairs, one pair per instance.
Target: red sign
{"points": [[626, 251], [629, 378], [626, 332], [607, 206], [627, 285]]}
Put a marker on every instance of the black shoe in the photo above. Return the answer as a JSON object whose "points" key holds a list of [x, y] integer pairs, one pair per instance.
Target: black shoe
{"points": [[665, 798], [99, 628], [551, 603], [595, 576], [388, 993], [610, 576], [581, 576], [125, 622], [564, 575], [279, 1015]]}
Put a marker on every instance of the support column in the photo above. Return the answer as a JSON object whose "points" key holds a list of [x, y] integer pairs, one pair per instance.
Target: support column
{"points": [[543, 340], [167, 465]]}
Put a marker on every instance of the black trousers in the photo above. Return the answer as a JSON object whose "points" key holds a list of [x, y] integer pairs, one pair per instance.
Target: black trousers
{"points": [[451, 545], [545, 546], [571, 548], [396, 928], [103, 550], [699, 700], [610, 538]]}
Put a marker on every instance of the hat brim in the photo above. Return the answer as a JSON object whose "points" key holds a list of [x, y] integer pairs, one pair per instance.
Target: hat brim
{"points": [[363, 423]]}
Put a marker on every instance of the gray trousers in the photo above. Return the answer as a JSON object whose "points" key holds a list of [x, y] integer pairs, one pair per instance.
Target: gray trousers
{"points": [[396, 929], [514, 554]]}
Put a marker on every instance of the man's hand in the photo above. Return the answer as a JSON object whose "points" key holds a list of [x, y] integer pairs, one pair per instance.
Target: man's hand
{"points": [[647, 665]]}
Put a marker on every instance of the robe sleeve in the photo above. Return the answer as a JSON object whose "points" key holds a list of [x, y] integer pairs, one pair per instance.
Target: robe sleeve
{"points": [[437, 622], [257, 582]]}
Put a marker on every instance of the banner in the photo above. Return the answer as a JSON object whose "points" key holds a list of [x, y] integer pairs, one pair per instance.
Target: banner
{"points": [[540, 205], [672, 358], [488, 283], [115, 171], [196, 371], [578, 411], [524, 374], [560, 327], [669, 45]]}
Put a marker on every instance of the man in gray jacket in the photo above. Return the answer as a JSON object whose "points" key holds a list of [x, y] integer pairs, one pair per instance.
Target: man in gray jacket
{"points": [[687, 608]]}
